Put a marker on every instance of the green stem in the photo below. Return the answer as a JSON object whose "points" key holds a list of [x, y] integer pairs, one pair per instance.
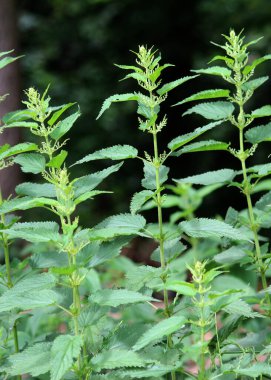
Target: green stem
{"points": [[161, 233], [9, 280], [202, 340], [253, 226]]}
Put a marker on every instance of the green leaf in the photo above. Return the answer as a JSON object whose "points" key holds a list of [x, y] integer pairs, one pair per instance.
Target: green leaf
{"points": [[34, 360], [23, 124], [261, 112], [65, 349], [214, 70], [116, 297], [229, 326], [58, 160], [89, 195], [25, 203], [17, 116], [181, 287], [116, 152], [31, 162], [7, 60], [139, 199], [149, 180], [205, 228], [143, 275], [117, 359], [56, 115], [207, 94], [122, 224], [157, 332], [209, 178], [17, 149], [241, 308], [36, 189], [255, 370], [172, 248], [89, 182], [203, 146], [171, 85], [231, 256], [253, 84], [179, 141], [91, 315], [258, 134], [64, 126], [255, 63], [212, 110], [34, 232], [116, 98], [154, 371]]}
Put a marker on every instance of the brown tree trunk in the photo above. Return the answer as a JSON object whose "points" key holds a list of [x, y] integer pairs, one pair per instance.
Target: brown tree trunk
{"points": [[9, 84]]}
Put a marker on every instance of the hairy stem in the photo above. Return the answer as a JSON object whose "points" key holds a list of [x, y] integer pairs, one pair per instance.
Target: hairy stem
{"points": [[9, 280], [202, 340], [161, 232], [252, 222]]}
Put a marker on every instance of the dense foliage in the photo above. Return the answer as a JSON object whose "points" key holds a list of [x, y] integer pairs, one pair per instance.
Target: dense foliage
{"points": [[74, 308]]}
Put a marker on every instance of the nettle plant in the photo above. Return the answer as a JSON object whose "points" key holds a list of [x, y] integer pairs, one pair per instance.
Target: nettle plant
{"points": [[61, 322]]}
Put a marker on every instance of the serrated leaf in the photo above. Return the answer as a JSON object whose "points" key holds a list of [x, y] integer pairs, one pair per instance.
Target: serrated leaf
{"points": [[116, 152], [116, 98], [255, 63], [241, 308], [89, 182], [212, 110], [36, 189], [179, 141], [117, 359], [58, 160], [95, 254], [25, 203], [202, 146], [65, 349], [91, 315], [142, 276], [30, 300], [117, 225], [151, 372], [34, 360], [258, 134], [207, 94], [209, 178], [172, 248], [261, 112], [171, 85], [64, 126], [34, 232], [264, 202], [139, 199], [157, 332], [255, 370], [231, 324], [253, 84], [17, 116], [56, 115], [31, 162], [231, 256], [149, 180], [117, 297], [204, 228], [17, 149], [214, 70]]}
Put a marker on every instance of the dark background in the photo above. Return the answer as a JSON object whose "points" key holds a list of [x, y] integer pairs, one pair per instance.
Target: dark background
{"points": [[73, 44]]}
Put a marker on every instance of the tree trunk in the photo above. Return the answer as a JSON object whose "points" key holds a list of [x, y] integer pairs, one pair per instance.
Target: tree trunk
{"points": [[9, 84]]}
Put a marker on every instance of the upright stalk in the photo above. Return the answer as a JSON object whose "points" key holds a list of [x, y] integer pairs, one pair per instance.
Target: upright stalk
{"points": [[9, 280], [157, 164], [243, 155]]}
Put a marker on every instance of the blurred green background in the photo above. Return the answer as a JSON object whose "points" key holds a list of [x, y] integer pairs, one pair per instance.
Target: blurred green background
{"points": [[73, 44]]}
